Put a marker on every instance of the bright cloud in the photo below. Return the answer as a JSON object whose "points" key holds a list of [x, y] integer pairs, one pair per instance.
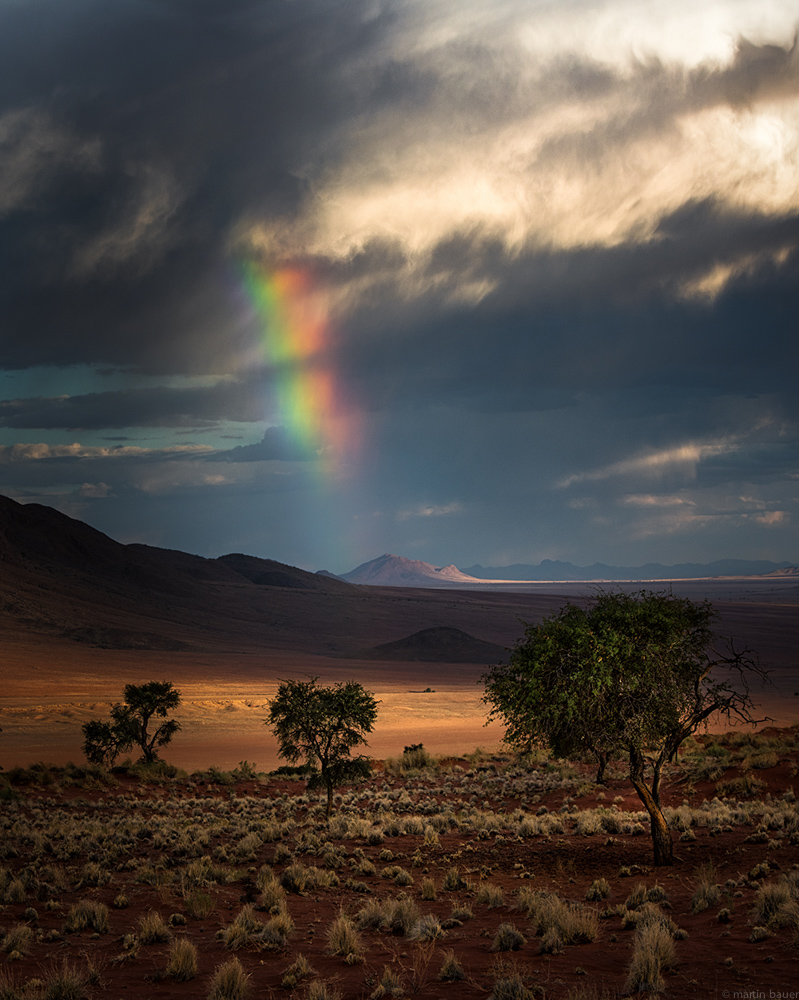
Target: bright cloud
{"points": [[43, 452], [685, 457], [430, 510]]}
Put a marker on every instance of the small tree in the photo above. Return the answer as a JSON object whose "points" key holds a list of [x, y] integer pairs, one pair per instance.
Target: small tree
{"points": [[129, 725], [321, 725], [629, 675]]}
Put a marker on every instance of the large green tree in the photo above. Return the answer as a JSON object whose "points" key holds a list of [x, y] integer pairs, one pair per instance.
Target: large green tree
{"points": [[629, 675], [322, 725], [129, 725]]}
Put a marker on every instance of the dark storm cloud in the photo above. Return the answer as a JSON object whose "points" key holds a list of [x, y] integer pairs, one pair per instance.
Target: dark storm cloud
{"points": [[132, 137], [550, 261], [155, 407], [136, 138], [597, 320]]}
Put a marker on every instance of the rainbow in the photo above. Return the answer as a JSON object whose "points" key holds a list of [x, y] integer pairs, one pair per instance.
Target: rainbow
{"points": [[294, 330]]}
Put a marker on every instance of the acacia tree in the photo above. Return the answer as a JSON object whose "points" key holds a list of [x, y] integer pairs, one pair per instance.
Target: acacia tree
{"points": [[629, 675], [129, 724], [322, 725]]}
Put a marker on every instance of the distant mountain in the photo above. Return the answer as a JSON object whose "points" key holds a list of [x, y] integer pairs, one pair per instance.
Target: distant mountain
{"points": [[550, 569], [64, 582], [396, 571]]}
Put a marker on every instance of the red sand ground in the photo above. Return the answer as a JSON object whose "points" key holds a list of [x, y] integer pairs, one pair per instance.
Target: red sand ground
{"points": [[715, 959]]}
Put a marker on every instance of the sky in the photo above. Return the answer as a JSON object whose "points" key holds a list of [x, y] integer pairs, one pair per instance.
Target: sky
{"points": [[316, 280]]}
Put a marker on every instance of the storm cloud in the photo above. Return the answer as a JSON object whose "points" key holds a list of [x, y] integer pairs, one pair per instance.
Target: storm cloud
{"points": [[556, 248]]}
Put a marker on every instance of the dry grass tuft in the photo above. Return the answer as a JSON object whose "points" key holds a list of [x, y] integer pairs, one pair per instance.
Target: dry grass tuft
{"points": [[343, 939], [229, 982], [299, 969], [182, 964], [776, 905], [87, 914], [66, 981], [707, 892], [153, 928], [508, 938], [18, 939], [451, 969], [653, 954], [573, 923]]}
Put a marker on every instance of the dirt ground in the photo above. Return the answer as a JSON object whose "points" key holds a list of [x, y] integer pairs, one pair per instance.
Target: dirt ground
{"points": [[510, 830]]}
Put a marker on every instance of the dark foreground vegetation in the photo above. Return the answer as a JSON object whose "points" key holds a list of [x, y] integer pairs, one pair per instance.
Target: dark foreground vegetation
{"points": [[481, 876]]}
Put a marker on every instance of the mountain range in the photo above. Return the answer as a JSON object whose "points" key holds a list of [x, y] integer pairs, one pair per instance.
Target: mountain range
{"points": [[553, 569], [63, 581], [396, 571]]}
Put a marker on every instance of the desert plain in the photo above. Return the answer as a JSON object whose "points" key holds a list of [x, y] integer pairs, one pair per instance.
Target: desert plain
{"points": [[457, 871]]}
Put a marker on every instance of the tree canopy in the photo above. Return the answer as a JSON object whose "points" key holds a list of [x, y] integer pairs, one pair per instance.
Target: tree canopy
{"points": [[628, 675], [322, 725], [129, 724]]}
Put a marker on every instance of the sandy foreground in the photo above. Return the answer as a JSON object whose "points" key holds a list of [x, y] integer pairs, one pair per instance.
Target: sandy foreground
{"points": [[49, 692]]}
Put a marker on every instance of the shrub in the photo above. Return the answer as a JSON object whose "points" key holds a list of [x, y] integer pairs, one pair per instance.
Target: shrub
{"points": [[400, 915], [707, 892], [451, 969], [653, 954], [490, 895], [599, 889], [428, 889], [511, 983], [775, 906], [453, 881], [320, 990], [299, 969], [229, 982], [275, 933], [273, 896], [390, 985], [238, 934], [637, 897], [427, 928], [9, 990], [415, 756], [199, 904], [66, 982], [15, 893], [182, 963], [18, 939], [153, 929], [87, 914], [343, 939], [508, 938], [572, 922]]}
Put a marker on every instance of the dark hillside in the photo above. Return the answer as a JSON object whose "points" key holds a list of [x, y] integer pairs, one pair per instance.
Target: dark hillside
{"points": [[440, 644], [268, 573]]}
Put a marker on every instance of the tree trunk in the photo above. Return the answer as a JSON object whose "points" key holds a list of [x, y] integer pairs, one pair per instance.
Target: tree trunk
{"points": [[329, 808], [602, 762], [661, 836]]}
